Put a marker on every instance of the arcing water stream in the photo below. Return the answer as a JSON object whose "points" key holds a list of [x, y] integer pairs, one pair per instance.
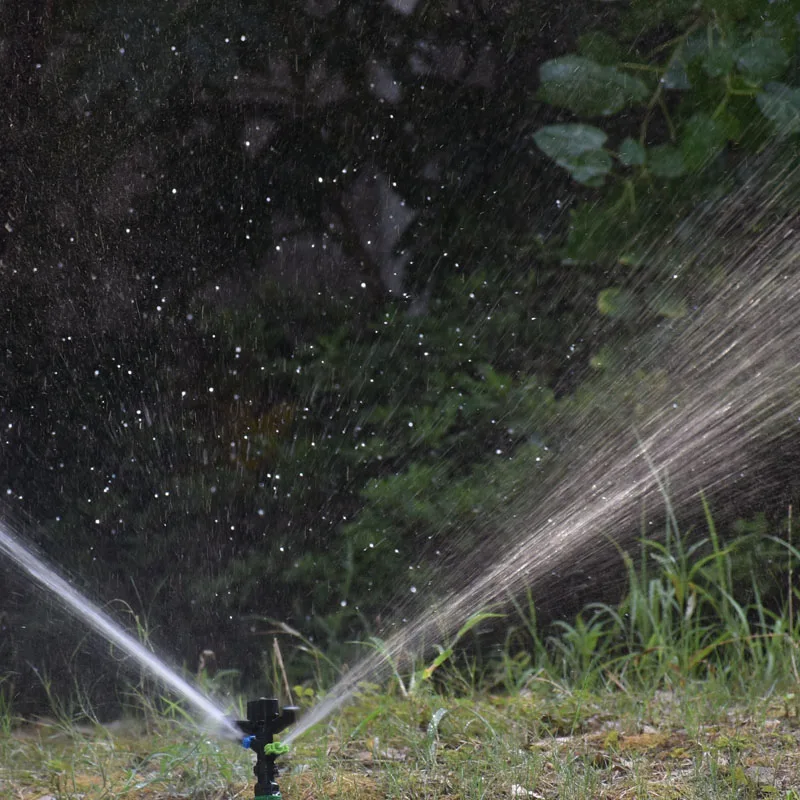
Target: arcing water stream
{"points": [[735, 385], [734, 376], [89, 613]]}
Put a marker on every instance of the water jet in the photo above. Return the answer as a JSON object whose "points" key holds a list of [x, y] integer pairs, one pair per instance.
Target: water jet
{"points": [[264, 718], [731, 393], [48, 579]]}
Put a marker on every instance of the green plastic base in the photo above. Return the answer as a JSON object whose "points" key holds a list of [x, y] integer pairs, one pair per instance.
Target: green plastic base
{"points": [[268, 797]]}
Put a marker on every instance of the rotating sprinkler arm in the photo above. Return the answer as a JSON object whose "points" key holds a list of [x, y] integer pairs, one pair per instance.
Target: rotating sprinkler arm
{"points": [[263, 721]]}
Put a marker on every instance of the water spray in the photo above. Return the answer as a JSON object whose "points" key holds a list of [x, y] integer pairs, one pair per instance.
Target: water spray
{"points": [[46, 577], [264, 717], [732, 391], [264, 720]]}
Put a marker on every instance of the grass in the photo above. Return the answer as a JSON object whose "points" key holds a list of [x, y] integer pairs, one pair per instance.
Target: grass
{"points": [[687, 688], [697, 741]]}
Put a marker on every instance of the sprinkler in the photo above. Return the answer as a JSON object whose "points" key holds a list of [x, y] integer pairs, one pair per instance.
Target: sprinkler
{"points": [[263, 721]]}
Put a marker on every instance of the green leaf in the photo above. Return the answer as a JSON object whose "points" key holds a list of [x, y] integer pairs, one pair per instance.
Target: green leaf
{"points": [[731, 124], [719, 60], [475, 619], [631, 153], [447, 652], [665, 161], [780, 104], [676, 76], [761, 59], [703, 139], [569, 141], [590, 168], [668, 304], [616, 303], [497, 383], [576, 148], [588, 88], [597, 233], [606, 359], [713, 53], [695, 45], [437, 662]]}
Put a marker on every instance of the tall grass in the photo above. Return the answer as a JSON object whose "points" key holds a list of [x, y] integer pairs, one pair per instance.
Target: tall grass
{"points": [[692, 609], [686, 614], [693, 613]]}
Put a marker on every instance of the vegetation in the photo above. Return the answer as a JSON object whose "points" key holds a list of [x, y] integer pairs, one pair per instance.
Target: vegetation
{"points": [[682, 689], [201, 411], [298, 296]]}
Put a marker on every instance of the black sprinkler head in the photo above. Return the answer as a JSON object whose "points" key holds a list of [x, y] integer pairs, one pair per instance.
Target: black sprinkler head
{"points": [[264, 720]]}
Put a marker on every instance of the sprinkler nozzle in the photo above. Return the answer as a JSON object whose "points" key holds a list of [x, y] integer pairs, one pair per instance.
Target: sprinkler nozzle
{"points": [[264, 720]]}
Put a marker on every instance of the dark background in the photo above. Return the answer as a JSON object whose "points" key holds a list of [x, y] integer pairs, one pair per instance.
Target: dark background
{"points": [[292, 305]]}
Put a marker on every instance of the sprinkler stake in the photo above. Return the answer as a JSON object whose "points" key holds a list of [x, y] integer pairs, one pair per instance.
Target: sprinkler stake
{"points": [[263, 721]]}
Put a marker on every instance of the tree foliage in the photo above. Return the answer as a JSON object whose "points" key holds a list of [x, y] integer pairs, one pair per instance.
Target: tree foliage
{"points": [[299, 296]]}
